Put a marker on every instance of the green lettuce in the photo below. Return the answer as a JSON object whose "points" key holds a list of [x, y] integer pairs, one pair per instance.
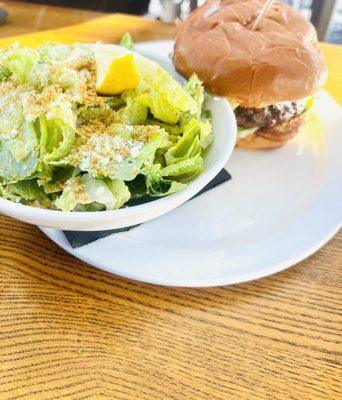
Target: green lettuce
{"points": [[185, 168], [244, 132], [86, 193], [54, 180], [120, 153], [133, 113], [24, 143], [195, 89], [5, 73], [21, 64], [188, 144], [156, 184], [163, 95], [56, 139], [28, 190], [127, 42], [120, 191], [13, 170]]}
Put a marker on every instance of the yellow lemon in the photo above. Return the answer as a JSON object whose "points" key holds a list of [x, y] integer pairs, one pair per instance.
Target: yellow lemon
{"points": [[115, 74]]}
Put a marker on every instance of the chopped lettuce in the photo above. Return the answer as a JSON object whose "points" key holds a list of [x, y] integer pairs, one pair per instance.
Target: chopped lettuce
{"points": [[185, 168], [120, 191], [195, 89], [28, 190], [127, 42], [56, 139], [164, 187], [12, 170], [188, 144], [156, 184], [21, 64], [24, 143], [244, 132], [54, 182], [163, 95], [120, 153], [85, 193], [11, 112], [5, 73], [133, 113], [206, 136]]}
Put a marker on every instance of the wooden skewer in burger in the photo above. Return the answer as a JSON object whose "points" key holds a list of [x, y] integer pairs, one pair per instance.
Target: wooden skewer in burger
{"points": [[268, 4], [262, 56]]}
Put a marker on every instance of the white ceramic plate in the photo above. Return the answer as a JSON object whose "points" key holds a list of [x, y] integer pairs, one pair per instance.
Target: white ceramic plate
{"points": [[224, 131], [279, 208]]}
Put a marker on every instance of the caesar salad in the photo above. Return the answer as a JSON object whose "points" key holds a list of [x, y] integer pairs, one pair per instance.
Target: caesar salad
{"points": [[95, 127]]}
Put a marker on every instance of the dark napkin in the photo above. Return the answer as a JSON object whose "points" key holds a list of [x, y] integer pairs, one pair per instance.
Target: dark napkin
{"points": [[79, 239]]}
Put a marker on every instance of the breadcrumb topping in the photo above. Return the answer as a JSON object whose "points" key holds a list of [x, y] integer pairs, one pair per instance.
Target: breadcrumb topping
{"points": [[101, 153]]}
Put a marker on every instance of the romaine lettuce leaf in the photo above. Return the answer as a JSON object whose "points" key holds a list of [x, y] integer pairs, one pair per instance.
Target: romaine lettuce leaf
{"points": [[102, 113], [163, 95], [164, 187], [85, 190], [133, 113], [156, 185], [56, 139], [186, 168], [13, 170], [127, 42], [187, 146], [195, 89], [27, 192], [244, 132], [27, 189], [21, 63], [172, 130], [118, 154], [11, 113], [24, 143], [119, 190], [206, 136], [55, 180], [5, 73], [86, 193], [20, 195]]}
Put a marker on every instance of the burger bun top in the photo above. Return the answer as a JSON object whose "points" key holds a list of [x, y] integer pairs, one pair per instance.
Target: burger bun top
{"points": [[280, 61]]}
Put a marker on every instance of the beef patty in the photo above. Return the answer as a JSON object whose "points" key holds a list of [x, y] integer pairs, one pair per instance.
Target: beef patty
{"points": [[270, 116]]}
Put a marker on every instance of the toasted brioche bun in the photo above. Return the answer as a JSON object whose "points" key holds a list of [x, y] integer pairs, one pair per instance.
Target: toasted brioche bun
{"points": [[271, 138], [278, 62]]}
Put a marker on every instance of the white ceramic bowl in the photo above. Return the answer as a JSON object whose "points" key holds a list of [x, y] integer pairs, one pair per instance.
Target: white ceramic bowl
{"points": [[224, 130]]}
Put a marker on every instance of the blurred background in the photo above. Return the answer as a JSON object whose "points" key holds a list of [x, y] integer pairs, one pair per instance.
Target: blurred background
{"points": [[326, 15]]}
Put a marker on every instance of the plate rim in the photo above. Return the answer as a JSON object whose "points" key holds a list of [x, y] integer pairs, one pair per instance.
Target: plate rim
{"points": [[262, 273]]}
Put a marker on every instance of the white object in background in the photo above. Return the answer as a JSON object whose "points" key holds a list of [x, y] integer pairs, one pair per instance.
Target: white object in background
{"points": [[170, 10]]}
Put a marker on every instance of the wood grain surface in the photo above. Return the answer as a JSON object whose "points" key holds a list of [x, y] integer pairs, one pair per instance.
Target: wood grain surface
{"points": [[69, 331]]}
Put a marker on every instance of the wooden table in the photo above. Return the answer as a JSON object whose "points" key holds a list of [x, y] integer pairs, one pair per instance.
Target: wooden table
{"points": [[69, 331]]}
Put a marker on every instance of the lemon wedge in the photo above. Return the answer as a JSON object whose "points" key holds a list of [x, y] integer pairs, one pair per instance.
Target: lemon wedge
{"points": [[115, 74]]}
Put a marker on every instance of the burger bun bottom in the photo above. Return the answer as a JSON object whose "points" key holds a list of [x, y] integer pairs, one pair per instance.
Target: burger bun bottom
{"points": [[271, 138]]}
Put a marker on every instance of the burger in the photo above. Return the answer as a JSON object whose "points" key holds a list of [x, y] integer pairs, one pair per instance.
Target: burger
{"points": [[269, 75]]}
